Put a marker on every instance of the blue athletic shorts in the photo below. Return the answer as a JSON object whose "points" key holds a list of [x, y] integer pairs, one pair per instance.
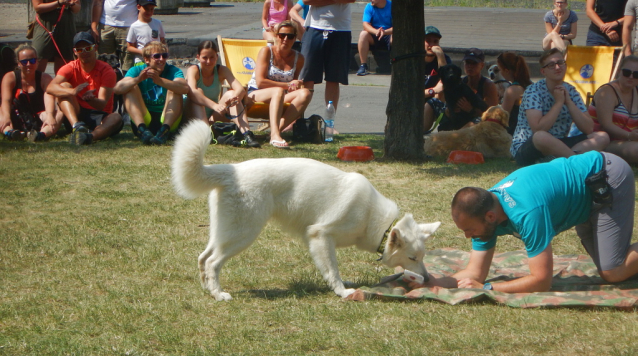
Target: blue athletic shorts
{"points": [[326, 51]]}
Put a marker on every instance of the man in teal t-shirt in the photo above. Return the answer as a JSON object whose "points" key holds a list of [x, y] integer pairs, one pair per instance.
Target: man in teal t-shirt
{"points": [[153, 95], [538, 202]]}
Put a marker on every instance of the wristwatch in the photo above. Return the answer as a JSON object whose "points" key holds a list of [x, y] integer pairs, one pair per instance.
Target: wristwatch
{"points": [[488, 286], [431, 92]]}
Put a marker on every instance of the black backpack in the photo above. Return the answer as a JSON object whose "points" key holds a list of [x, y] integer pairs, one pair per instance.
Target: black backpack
{"points": [[312, 129], [227, 133]]}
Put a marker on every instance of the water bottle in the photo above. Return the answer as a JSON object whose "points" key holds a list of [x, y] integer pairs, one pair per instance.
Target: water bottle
{"points": [[330, 121]]}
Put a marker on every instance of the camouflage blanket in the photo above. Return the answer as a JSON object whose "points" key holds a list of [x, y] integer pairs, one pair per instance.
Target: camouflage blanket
{"points": [[576, 283]]}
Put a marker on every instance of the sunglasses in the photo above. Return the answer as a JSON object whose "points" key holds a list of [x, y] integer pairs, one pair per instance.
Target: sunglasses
{"points": [[627, 73], [158, 56], [30, 60], [554, 64], [289, 36], [85, 49]]}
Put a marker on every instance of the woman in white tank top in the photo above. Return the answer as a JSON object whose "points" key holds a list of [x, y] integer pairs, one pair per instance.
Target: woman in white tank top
{"points": [[275, 81]]}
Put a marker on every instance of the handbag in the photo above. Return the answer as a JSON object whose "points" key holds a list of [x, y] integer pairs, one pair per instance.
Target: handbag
{"points": [[312, 129], [30, 29]]}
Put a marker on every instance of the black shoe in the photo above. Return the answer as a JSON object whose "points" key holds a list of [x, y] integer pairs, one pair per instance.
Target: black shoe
{"points": [[15, 135], [80, 136], [363, 70], [146, 136], [161, 137], [249, 137]]}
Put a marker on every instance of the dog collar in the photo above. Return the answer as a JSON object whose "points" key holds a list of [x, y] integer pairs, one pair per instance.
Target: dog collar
{"points": [[496, 121], [381, 248]]}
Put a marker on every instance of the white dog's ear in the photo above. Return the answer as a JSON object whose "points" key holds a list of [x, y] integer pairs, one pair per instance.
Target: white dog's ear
{"points": [[429, 229], [395, 240]]}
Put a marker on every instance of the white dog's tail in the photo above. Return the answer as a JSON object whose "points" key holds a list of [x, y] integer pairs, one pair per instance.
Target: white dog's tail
{"points": [[191, 178]]}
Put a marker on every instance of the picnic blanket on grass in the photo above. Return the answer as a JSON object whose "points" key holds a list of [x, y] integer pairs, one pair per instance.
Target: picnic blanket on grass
{"points": [[576, 283]]}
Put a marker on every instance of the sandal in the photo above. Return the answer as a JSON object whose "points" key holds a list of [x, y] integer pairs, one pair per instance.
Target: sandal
{"points": [[279, 144]]}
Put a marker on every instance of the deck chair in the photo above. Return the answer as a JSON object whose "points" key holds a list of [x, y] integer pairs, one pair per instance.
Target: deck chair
{"points": [[240, 56], [589, 67]]}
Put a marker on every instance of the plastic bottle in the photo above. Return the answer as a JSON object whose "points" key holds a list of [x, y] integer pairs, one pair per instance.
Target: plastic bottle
{"points": [[330, 121]]}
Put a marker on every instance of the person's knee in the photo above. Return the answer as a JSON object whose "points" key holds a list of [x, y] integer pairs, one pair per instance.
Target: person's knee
{"points": [[363, 37], [601, 139], [305, 95], [543, 139], [612, 276]]}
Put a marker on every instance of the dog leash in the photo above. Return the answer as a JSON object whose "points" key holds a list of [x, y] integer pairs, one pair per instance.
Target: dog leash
{"points": [[52, 30]]}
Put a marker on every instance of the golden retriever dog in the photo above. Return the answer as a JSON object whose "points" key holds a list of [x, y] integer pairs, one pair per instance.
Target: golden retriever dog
{"points": [[489, 137]]}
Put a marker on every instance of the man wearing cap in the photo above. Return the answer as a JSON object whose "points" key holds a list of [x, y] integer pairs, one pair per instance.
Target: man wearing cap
{"points": [[434, 59], [153, 95], [377, 30], [110, 24], [548, 109], [84, 92], [485, 89]]}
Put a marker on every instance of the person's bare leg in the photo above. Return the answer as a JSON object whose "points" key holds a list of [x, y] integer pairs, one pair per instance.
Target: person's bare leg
{"points": [[299, 100], [365, 40], [332, 93], [109, 125], [134, 104]]}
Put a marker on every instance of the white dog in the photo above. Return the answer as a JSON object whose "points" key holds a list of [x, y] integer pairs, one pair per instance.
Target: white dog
{"points": [[329, 208], [501, 83]]}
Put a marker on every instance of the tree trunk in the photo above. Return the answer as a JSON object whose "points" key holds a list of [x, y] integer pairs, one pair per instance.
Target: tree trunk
{"points": [[404, 128]]}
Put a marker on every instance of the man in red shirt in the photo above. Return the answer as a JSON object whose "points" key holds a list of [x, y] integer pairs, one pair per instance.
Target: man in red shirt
{"points": [[84, 91]]}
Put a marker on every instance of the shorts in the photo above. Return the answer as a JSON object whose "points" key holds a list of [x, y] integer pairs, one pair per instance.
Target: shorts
{"points": [[329, 54], [528, 154], [93, 118], [114, 39], [606, 236], [383, 43], [596, 39], [154, 121]]}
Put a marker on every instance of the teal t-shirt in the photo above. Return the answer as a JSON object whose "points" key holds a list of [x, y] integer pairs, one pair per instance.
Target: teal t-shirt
{"points": [[154, 95], [543, 200]]}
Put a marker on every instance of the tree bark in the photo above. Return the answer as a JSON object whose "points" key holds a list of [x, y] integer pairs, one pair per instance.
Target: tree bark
{"points": [[404, 128]]}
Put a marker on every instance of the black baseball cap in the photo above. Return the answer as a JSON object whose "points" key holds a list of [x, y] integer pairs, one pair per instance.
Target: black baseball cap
{"points": [[83, 36], [146, 2], [474, 54]]}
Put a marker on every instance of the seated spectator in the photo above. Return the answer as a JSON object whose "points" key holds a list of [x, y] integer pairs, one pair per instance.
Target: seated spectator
{"points": [[560, 26], [377, 30], [547, 111], [514, 69], [205, 81], [299, 19], [615, 111], [8, 61], [153, 95], [274, 12], [276, 81], [145, 30], [84, 92], [434, 59], [485, 89], [27, 110]]}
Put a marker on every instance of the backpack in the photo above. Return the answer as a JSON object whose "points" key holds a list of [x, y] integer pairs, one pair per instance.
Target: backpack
{"points": [[227, 133], [312, 129]]}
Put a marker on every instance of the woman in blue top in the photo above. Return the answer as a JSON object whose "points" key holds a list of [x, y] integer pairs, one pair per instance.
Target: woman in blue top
{"points": [[205, 81], [560, 25]]}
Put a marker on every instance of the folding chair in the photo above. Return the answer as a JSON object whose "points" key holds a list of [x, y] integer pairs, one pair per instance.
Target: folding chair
{"points": [[589, 67], [240, 56]]}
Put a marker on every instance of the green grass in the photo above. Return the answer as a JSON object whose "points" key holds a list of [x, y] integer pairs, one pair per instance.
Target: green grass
{"points": [[99, 256]]}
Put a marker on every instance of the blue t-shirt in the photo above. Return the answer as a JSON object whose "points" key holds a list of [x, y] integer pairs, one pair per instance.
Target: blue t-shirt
{"points": [[565, 28], [154, 95], [304, 7], [543, 200], [378, 17]]}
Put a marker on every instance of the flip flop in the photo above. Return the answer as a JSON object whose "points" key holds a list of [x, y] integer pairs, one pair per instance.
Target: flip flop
{"points": [[279, 144]]}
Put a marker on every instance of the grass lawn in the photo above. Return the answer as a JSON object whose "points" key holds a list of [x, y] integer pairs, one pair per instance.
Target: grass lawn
{"points": [[99, 256]]}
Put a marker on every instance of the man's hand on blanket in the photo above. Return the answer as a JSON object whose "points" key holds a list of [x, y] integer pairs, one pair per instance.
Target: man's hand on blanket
{"points": [[444, 282], [469, 283]]}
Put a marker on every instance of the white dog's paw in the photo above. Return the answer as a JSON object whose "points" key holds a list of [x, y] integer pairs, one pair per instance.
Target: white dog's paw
{"points": [[347, 292], [222, 296]]}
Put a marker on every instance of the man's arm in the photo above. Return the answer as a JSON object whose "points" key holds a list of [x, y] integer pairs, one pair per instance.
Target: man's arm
{"points": [[177, 85], [127, 83], [478, 267], [628, 29], [538, 121], [56, 89], [96, 14], [369, 28]]}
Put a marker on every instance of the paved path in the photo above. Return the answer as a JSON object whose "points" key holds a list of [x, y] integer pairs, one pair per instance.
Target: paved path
{"points": [[363, 103]]}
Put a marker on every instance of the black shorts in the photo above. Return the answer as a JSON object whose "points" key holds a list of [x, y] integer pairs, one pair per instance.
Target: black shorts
{"points": [[528, 154], [383, 43], [93, 118], [326, 51]]}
